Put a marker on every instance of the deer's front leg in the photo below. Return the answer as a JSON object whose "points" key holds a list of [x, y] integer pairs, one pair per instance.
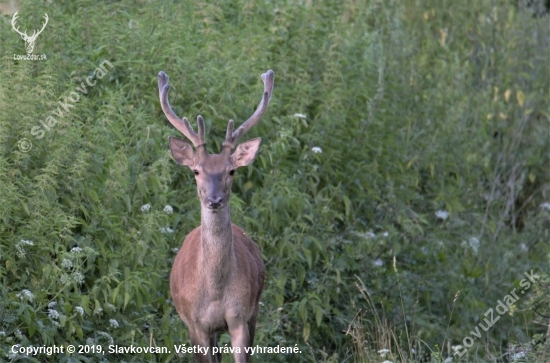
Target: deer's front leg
{"points": [[207, 344], [238, 330]]}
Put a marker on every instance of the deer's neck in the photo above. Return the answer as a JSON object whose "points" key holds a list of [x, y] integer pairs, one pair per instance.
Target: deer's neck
{"points": [[217, 256]]}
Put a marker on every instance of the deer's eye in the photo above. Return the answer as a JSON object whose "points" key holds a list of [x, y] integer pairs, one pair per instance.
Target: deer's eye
{"points": [[231, 172], [196, 172]]}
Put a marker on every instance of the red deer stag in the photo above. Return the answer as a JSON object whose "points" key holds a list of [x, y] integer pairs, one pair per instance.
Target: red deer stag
{"points": [[218, 274]]}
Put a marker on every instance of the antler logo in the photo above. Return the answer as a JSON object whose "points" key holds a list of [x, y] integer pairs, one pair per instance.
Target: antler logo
{"points": [[29, 40]]}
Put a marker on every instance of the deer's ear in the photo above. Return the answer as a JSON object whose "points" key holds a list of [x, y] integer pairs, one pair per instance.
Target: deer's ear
{"points": [[246, 152], [182, 152]]}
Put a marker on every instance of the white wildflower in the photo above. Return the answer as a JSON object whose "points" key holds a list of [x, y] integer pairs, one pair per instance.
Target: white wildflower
{"points": [[79, 310], [55, 323], [370, 234], [25, 295], [379, 263], [146, 208], [166, 230], [106, 336], [78, 278], [76, 249], [113, 323], [21, 253], [64, 279], [18, 334], [387, 361], [2, 333], [317, 150], [474, 244], [90, 341], [545, 206], [442, 214], [168, 209], [66, 263], [53, 314], [51, 304], [175, 250], [383, 352], [520, 355], [20, 247], [299, 115], [385, 234]]}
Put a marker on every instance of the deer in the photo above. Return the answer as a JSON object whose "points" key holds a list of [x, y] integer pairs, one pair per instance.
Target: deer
{"points": [[29, 40], [218, 274]]}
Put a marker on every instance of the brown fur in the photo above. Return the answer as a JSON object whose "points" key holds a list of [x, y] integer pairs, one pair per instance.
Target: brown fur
{"points": [[203, 309]]}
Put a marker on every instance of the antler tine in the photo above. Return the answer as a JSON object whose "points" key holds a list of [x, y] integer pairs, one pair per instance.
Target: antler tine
{"points": [[44, 25], [232, 137], [200, 124], [13, 21], [229, 132], [182, 125]]}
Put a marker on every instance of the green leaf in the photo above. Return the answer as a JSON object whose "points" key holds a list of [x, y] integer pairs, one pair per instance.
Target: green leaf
{"points": [[84, 302], [32, 329], [126, 299], [318, 315], [79, 333], [302, 309], [62, 320], [307, 253], [306, 331], [347, 205]]}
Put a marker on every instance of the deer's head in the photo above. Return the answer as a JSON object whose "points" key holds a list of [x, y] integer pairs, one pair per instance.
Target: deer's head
{"points": [[29, 40], [214, 172]]}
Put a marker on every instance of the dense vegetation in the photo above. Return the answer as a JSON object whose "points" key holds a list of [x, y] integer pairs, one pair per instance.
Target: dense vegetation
{"points": [[402, 188]]}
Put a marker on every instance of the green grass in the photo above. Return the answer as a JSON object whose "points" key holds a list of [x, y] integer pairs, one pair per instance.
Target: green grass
{"points": [[418, 107]]}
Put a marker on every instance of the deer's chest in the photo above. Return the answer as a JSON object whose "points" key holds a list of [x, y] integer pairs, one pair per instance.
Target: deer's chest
{"points": [[211, 314]]}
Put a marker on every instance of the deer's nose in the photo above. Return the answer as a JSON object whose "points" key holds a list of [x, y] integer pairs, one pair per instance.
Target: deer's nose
{"points": [[214, 202]]}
